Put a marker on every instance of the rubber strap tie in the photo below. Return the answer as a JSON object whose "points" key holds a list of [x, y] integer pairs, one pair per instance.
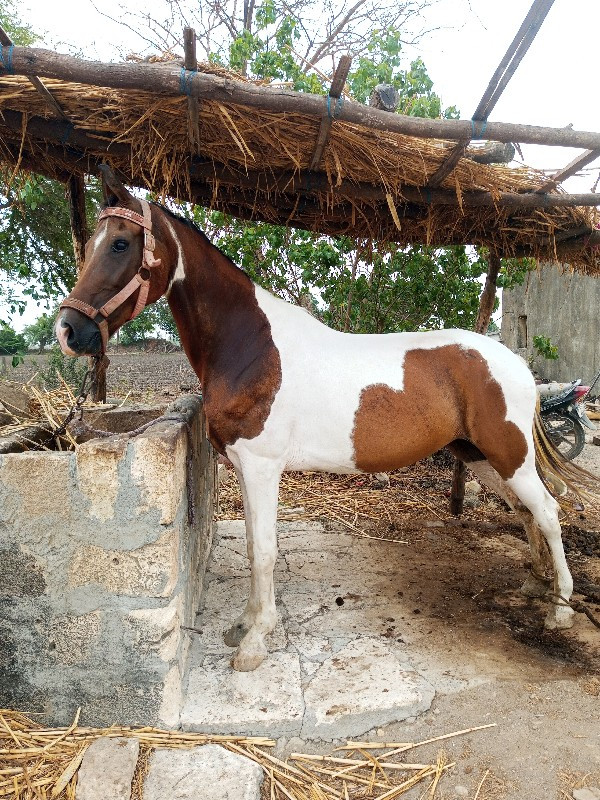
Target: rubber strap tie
{"points": [[186, 80], [6, 57], [339, 101], [474, 135]]}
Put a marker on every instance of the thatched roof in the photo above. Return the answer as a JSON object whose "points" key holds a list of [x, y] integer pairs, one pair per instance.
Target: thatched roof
{"points": [[252, 158]]}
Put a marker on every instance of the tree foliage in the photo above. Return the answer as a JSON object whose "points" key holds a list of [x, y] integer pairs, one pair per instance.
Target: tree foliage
{"points": [[41, 332]]}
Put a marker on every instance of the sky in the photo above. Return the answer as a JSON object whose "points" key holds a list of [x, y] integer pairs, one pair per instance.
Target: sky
{"points": [[555, 85]]}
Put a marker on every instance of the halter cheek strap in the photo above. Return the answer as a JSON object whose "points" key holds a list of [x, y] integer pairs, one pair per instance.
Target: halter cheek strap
{"points": [[140, 281]]}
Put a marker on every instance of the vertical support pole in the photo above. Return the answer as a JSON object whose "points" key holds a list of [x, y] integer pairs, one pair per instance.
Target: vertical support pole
{"points": [[484, 315], [191, 64], [79, 234]]}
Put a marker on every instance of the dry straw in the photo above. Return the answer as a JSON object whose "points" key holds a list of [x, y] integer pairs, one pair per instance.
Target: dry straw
{"points": [[38, 763], [149, 144]]}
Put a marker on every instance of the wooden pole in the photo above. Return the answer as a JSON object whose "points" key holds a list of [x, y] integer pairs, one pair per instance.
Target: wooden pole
{"points": [[159, 79], [191, 65], [484, 315], [79, 233]]}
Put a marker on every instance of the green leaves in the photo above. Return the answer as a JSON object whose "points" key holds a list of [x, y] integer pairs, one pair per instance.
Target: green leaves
{"points": [[545, 348]]}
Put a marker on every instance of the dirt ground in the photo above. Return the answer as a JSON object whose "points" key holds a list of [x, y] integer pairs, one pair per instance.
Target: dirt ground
{"points": [[460, 581]]}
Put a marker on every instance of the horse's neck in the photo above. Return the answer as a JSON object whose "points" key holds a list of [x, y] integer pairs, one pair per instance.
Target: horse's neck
{"points": [[214, 306]]}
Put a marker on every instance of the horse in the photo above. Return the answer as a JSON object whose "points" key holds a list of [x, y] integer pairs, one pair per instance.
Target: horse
{"points": [[282, 391]]}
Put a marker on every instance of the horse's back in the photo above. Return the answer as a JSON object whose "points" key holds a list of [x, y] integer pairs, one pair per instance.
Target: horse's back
{"points": [[378, 402]]}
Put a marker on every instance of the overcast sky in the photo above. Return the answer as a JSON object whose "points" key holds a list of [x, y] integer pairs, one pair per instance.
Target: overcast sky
{"points": [[555, 85]]}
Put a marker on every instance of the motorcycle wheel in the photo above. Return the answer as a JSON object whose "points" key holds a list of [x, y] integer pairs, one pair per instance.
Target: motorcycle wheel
{"points": [[566, 433]]}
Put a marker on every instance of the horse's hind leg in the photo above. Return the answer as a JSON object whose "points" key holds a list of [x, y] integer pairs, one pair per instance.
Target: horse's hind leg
{"points": [[530, 490], [536, 584]]}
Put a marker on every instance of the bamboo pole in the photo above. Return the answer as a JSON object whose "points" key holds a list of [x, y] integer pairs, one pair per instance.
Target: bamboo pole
{"points": [[167, 80], [484, 315]]}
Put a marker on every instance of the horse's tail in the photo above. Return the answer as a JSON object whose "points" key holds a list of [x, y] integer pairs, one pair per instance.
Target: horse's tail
{"points": [[569, 483]]}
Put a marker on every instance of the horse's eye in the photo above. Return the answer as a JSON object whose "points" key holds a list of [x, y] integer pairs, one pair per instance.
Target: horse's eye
{"points": [[120, 245]]}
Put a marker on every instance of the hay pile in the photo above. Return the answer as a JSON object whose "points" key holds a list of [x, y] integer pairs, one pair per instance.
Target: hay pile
{"points": [[358, 503], [38, 763], [248, 155]]}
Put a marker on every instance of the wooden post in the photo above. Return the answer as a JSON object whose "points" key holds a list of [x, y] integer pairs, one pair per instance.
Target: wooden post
{"points": [[79, 233], [484, 315]]}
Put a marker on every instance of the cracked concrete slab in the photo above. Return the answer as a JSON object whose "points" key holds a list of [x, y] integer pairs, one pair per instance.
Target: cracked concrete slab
{"points": [[326, 675], [362, 687], [267, 701]]}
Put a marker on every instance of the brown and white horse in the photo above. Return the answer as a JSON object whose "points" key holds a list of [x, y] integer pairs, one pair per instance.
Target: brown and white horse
{"points": [[284, 392]]}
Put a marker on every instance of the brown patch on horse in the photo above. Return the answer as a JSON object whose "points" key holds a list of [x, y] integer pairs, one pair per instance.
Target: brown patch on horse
{"points": [[462, 401], [230, 345]]}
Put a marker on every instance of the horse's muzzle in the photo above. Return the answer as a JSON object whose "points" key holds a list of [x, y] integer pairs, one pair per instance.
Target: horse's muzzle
{"points": [[77, 335]]}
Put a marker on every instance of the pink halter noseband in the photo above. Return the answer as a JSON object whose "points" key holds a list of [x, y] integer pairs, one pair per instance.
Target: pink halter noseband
{"points": [[138, 281]]}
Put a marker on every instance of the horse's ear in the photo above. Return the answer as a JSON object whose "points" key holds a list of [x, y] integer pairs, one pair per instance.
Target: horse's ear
{"points": [[115, 193]]}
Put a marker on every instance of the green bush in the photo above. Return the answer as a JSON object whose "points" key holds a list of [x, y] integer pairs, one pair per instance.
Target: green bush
{"points": [[71, 369], [545, 348]]}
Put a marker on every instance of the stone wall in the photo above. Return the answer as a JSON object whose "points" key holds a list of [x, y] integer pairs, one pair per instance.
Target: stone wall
{"points": [[564, 307], [102, 557]]}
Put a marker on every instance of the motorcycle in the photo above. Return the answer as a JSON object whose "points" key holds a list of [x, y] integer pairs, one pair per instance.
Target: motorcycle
{"points": [[563, 413]]}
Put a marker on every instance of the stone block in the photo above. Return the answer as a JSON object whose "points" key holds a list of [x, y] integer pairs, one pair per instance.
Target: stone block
{"points": [[266, 701], [158, 468], [149, 571], [41, 482], [107, 769], [363, 686], [98, 474], [204, 773], [157, 630], [72, 638]]}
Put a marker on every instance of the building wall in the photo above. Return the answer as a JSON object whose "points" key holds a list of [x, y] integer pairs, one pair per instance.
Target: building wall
{"points": [[563, 306]]}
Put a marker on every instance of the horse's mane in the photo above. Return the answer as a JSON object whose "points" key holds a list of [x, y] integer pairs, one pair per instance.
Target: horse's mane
{"points": [[191, 224]]}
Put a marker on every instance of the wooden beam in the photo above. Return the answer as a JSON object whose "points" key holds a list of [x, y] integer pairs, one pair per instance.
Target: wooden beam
{"points": [[6, 41], [505, 70], [335, 93], [156, 78], [79, 229], [448, 165], [513, 57], [191, 65], [63, 132], [572, 168], [79, 234], [293, 182]]}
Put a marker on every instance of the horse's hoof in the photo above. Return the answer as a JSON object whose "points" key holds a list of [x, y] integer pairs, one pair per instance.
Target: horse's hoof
{"points": [[536, 587], [559, 618], [235, 634], [247, 661]]}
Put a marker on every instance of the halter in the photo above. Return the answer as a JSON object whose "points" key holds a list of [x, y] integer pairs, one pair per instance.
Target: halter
{"points": [[139, 281]]}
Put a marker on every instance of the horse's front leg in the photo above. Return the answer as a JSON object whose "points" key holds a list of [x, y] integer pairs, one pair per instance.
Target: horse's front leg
{"points": [[259, 480]]}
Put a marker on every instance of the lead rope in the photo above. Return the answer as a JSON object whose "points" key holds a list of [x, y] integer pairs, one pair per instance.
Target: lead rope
{"points": [[576, 605]]}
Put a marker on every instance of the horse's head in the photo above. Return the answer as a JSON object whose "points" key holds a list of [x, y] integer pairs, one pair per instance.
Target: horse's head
{"points": [[126, 268]]}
